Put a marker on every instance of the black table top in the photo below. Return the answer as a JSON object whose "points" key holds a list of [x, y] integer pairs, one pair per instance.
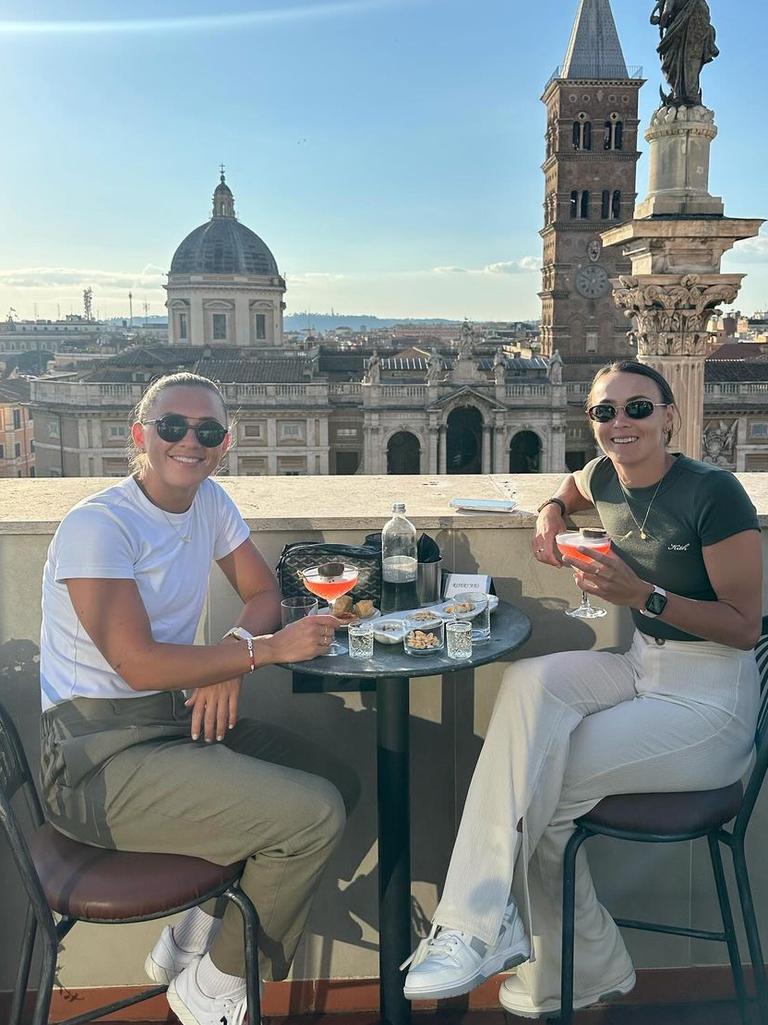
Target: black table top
{"points": [[510, 628]]}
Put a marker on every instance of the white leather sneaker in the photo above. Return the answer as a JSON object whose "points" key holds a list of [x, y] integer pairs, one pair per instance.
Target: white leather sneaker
{"points": [[515, 998], [192, 1007], [167, 959], [449, 963]]}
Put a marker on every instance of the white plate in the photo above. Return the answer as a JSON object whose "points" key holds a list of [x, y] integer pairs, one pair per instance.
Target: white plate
{"points": [[368, 619], [489, 505], [493, 603], [393, 636]]}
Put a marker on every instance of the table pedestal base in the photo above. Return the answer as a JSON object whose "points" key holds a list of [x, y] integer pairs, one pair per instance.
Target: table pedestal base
{"points": [[392, 751]]}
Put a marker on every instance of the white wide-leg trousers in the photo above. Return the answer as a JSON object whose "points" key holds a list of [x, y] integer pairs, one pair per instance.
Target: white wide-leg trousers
{"points": [[567, 730]]}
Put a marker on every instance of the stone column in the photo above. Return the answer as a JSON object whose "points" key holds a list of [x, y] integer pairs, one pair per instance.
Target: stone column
{"points": [[432, 450], [486, 464], [500, 463], [443, 449]]}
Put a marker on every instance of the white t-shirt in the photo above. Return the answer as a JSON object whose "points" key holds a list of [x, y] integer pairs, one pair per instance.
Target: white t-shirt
{"points": [[119, 534]]}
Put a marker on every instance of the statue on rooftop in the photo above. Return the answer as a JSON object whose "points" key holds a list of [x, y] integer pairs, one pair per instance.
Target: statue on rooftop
{"points": [[687, 44], [499, 367], [373, 370], [466, 341], [555, 370], [434, 367]]}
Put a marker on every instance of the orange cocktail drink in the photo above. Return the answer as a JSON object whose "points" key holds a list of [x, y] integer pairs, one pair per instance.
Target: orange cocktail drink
{"points": [[570, 545], [330, 580]]}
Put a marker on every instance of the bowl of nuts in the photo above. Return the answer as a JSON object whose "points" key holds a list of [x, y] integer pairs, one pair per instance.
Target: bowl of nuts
{"points": [[424, 637]]}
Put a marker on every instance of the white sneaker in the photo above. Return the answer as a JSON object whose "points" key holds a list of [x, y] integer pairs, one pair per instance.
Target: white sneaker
{"points": [[167, 959], [515, 998], [192, 1007], [449, 963]]}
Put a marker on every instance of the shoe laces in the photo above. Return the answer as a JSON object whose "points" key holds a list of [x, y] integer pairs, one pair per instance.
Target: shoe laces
{"points": [[235, 1010], [440, 943]]}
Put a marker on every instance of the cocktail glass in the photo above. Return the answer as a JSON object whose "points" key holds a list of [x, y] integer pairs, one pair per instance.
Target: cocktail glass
{"points": [[330, 588], [569, 545]]}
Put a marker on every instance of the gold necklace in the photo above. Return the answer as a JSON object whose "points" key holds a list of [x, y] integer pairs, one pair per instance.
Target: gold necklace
{"points": [[641, 526], [182, 537]]}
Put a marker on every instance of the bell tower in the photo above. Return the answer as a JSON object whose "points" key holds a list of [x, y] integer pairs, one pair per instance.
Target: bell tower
{"points": [[590, 173]]}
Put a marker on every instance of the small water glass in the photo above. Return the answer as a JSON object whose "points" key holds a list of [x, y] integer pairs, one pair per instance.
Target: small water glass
{"points": [[458, 638], [360, 640], [481, 623], [293, 609]]}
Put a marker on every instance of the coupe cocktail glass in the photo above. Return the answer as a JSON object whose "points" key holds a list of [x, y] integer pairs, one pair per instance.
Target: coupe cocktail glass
{"points": [[330, 581], [569, 545]]}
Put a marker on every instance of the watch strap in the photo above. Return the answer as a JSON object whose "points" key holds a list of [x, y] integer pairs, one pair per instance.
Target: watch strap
{"points": [[553, 501]]}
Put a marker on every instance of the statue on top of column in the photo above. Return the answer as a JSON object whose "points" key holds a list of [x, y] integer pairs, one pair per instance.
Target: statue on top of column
{"points": [[687, 44], [499, 367], [434, 367], [373, 370]]}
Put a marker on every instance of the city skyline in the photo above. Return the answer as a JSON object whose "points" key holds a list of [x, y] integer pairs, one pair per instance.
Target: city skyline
{"points": [[387, 151]]}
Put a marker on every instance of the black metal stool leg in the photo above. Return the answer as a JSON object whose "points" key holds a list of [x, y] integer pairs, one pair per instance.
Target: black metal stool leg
{"points": [[569, 897], [750, 926], [728, 926], [25, 963], [251, 934], [47, 978]]}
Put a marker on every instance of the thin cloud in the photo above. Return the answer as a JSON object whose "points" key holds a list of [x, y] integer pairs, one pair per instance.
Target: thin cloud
{"points": [[525, 265], [751, 250], [449, 270], [196, 23], [62, 277]]}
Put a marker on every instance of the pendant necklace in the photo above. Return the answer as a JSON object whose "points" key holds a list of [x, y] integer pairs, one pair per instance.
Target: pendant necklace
{"points": [[186, 539], [641, 526]]}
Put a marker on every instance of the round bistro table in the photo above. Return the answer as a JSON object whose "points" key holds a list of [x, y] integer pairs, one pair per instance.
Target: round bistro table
{"points": [[391, 669]]}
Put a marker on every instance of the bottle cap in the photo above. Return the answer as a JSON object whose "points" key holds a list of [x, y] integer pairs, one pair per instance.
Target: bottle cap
{"points": [[398, 507]]}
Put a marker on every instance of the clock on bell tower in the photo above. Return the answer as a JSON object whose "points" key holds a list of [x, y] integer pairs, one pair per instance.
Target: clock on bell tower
{"points": [[590, 173]]}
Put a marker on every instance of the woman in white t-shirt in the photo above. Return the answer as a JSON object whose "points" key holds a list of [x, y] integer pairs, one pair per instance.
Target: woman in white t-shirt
{"points": [[127, 762]]}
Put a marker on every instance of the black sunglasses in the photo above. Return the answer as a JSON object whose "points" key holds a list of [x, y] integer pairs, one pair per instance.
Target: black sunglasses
{"points": [[636, 409], [173, 427]]}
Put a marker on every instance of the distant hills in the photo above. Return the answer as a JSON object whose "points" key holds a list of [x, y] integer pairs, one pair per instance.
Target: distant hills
{"points": [[329, 321]]}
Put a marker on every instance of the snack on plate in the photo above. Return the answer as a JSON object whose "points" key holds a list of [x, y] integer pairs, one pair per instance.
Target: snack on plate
{"points": [[459, 607], [420, 640], [341, 605], [364, 609], [390, 627], [423, 617], [346, 617]]}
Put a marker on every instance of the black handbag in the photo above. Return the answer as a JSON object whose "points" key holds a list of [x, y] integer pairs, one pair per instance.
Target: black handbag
{"points": [[302, 555]]}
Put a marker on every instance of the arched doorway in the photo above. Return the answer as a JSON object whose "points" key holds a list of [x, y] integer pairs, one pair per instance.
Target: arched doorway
{"points": [[525, 453], [464, 441], [403, 454]]}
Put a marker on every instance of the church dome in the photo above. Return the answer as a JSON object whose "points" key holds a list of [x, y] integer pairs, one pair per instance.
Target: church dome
{"points": [[223, 245]]}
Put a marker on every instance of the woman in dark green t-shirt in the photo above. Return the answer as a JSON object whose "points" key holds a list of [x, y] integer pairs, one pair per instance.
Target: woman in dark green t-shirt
{"points": [[675, 712]]}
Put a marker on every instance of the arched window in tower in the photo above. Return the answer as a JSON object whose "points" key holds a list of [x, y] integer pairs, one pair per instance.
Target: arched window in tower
{"points": [[580, 205], [614, 133], [582, 132], [616, 206]]}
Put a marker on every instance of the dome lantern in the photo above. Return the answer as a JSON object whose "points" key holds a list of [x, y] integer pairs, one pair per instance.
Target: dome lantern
{"points": [[223, 200]]}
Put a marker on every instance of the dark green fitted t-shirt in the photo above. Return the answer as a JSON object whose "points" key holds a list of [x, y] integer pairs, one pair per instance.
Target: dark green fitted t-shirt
{"points": [[696, 505]]}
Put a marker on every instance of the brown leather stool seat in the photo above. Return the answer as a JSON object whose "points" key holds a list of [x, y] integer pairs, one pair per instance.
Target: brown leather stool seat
{"points": [[668, 814], [98, 885]]}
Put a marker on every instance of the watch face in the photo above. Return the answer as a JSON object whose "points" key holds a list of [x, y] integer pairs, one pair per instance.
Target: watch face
{"points": [[592, 281], [656, 603]]}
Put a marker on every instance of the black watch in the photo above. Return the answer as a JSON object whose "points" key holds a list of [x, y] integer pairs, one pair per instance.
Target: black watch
{"points": [[553, 501], [655, 603]]}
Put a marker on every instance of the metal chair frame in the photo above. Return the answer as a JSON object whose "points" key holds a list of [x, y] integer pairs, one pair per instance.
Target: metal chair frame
{"points": [[15, 776], [732, 838]]}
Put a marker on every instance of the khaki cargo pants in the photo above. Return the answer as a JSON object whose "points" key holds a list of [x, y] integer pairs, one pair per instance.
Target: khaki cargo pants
{"points": [[126, 775]]}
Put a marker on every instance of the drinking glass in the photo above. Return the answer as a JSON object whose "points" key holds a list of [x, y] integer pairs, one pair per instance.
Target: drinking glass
{"points": [[481, 623], [360, 640], [458, 640], [330, 588], [292, 609], [567, 544]]}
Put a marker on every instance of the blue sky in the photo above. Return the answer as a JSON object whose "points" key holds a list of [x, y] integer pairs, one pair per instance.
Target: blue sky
{"points": [[387, 151]]}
